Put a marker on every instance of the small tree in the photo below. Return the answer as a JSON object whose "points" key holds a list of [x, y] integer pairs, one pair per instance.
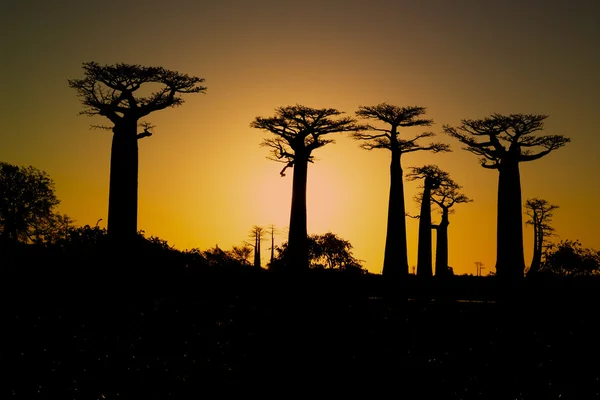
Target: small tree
{"points": [[110, 91], [27, 204], [570, 258], [506, 142], [327, 251], [540, 213], [298, 131], [395, 261]]}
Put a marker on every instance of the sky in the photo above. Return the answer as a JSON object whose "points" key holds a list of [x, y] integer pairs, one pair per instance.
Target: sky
{"points": [[204, 180]]}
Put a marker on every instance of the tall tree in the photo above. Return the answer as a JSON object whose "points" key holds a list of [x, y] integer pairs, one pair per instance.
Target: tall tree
{"points": [[298, 131], [110, 91], [395, 261], [540, 213], [445, 196], [27, 204], [506, 141], [433, 177]]}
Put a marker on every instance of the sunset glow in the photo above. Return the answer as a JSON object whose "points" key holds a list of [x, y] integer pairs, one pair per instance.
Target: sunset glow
{"points": [[203, 178]]}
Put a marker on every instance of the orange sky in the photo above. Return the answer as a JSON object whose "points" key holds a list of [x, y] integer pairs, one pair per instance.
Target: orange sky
{"points": [[204, 180]]}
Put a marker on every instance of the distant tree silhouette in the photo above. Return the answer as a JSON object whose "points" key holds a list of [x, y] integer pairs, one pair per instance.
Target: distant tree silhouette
{"points": [[445, 196], [242, 254], [433, 177], [506, 142], [570, 258], [27, 205], [395, 262], [326, 251], [257, 233], [271, 229], [540, 212], [109, 91], [298, 131]]}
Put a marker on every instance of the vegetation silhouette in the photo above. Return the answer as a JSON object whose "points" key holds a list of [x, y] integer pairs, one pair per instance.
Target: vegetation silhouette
{"points": [[506, 142], [395, 261], [433, 178], [28, 206], [299, 130], [326, 251], [110, 91], [569, 258]]}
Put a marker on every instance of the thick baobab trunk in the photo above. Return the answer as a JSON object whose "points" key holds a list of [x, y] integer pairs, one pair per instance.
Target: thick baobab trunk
{"points": [[123, 193], [424, 256], [441, 247], [510, 259], [395, 261], [297, 239]]}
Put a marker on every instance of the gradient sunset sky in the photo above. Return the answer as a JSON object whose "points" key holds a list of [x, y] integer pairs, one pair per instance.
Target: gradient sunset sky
{"points": [[204, 179]]}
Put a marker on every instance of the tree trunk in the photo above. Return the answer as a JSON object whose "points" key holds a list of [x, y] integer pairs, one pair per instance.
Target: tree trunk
{"points": [[297, 239], [510, 259], [441, 249], [257, 251], [424, 267], [123, 192], [538, 239], [395, 261]]}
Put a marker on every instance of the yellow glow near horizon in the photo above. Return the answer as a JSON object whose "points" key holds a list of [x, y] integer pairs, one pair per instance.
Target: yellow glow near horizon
{"points": [[204, 179]]}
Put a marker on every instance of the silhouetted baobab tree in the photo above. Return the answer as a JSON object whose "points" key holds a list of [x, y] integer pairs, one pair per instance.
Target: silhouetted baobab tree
{"points": [[257, 233], [395, 261], [506, 142], [271, 229], [445, 196], [298, 131], [433, 177], [540, 212], [110, 91]]}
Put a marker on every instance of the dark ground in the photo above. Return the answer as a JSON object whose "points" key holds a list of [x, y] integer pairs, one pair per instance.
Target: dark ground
{"points": [[200, 333]]}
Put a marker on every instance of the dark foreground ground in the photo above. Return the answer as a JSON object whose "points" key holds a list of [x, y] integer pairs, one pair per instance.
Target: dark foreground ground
{"points": [[206, 334]]}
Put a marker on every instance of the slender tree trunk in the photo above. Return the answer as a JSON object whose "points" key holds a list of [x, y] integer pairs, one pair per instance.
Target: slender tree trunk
{"points": [[510, 259], [538, 241], [257, 251], [441, 250], [272, 246], [297, 239], [424, 256], [395, 261], [123, 193]]}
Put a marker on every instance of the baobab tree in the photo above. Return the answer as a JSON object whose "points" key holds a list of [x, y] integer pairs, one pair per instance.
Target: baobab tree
{"points": [[257, 233], [540, 212], [445, 196], [433, 177], [395, 261], [271, 229], [506, 141], [110, 91], [298, 131]]}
